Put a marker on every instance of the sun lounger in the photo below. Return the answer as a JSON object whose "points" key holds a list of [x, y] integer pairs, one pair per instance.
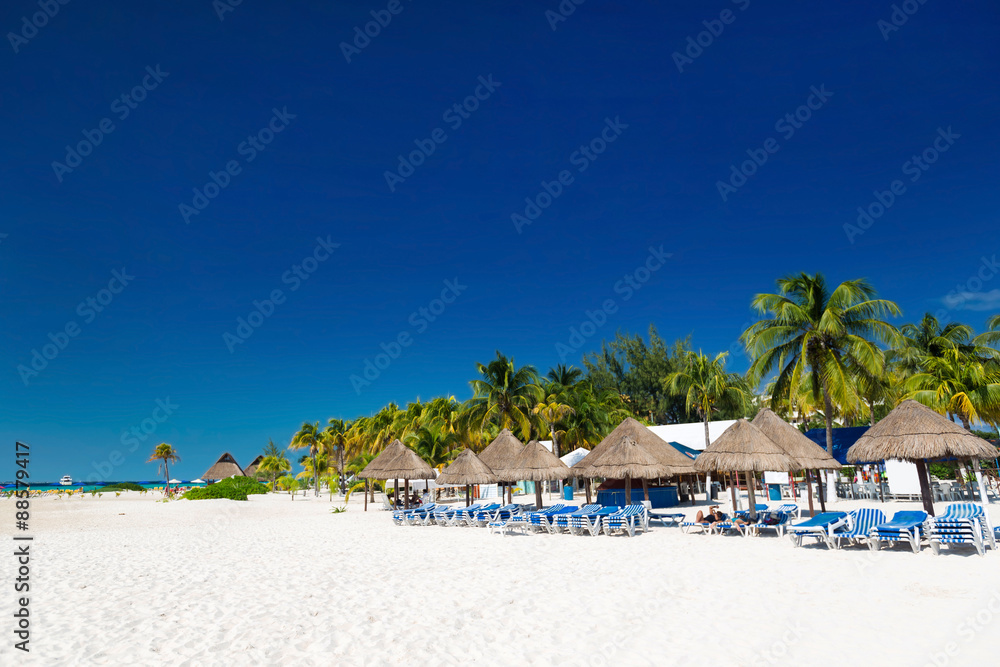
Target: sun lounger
{"points": [[776, 520], [590, 523], [904, 527], [789, 508], [468, 518], [523, 520], [399, 516], [542, 521], [703, 526], [417, 516], [962, 523], [627, 520], [819, 526], [859, 526], [447, 517], [484, 516], [560, 521], [666, 519]]}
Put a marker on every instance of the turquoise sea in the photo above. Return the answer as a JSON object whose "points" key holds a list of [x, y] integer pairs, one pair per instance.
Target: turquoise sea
{"points": [[44, 486]]}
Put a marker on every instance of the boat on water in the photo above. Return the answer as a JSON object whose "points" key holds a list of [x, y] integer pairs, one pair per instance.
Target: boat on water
{"points": [[66, 481]]}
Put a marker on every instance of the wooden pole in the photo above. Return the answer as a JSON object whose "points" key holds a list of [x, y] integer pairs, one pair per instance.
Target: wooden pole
{"points": [[586, 484], [732, 489], [925, 486], [468, 495], [366, 494], [693, 483], [881, 492], [645, 489], [809, 491], [819, 489], [538, 495], [406, 496], [628, 490], [751, 500]]}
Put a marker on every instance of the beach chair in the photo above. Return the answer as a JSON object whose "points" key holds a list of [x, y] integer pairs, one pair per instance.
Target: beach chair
{"points": [[523, 520], [560, 521], [789, 509], [962, 523], [483, 517], [542, 521], [399, 516], [627, 520], [904, 527], [665, 518], [436, 515], [819, 526], [447, 517], [416, 517], [859, 526], [467, 517], [776, 520], [704, 527], [591, 523]]}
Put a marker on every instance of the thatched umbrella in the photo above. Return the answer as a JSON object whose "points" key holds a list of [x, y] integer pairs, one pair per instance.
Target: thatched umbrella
{"points": [[744, 448], [224, 468], [807, 453], [914, 432], [500, 455], [652, 443], [626, 459], [397, 461], [251, 470], [537, 464], [467, 469]]}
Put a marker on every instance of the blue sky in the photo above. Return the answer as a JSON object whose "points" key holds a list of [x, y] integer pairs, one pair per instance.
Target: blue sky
{"points": [[307, 137]]}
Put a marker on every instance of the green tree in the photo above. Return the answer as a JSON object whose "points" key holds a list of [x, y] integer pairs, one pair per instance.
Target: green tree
{"points": [[335, 439], [273, 465], [958, 385], [552, 411], [821, 338], [166, 455], [707, 388], [504, 395], [309, 437]]}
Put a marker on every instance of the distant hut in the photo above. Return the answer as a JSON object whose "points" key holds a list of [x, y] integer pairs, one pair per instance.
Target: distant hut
{"points": [[627, 459], [251, 470], [500, 455], [397, 461], [224, 468], [467, 469], [537, 464]]}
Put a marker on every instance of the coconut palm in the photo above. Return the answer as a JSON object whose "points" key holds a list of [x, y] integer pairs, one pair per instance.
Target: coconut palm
{"points": [[504, 395], [433, 444], [274, 465], [166, 455], [335, 438], [320, 466], [820, 338], [551, 411], [960, 386], [707, 388], [929, 340], [564, 376], [288, 483], [309, 436]]}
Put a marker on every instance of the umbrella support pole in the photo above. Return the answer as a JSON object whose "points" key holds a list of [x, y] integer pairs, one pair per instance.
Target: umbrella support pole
{"points": [[925, 486], [406, 495], [366, 495], [645, 489], [628, 490], [468, 495], [732, 490], [809, 491], [708, 487], [538, 495], [586, 484], [819, 490], [691, 486], [983, 497], [751, 500]]}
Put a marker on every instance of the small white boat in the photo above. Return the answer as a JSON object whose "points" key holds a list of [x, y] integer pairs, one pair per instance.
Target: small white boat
{"points": [[66, 481]]}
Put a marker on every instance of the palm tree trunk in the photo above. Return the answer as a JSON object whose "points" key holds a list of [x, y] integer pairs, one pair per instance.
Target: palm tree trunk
{"points": [[315, 476], [555, 443], [166, 468], [828, 417]]}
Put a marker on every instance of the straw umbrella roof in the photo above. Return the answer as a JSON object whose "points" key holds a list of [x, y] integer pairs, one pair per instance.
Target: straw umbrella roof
{"points": [[500, 455], [224, 468], [652, 443], [397, 461], [537, 464], [252, 468], [806, 453], [467, 468], [743, 448], [626, 458], [913, 431]]}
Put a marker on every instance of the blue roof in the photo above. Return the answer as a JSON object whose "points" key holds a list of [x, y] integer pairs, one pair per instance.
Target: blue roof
{"points": [[843, 438], [686, 451]]}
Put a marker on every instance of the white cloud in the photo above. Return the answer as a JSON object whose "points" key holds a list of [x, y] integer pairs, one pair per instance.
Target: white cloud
{"points": [[974, 300]]}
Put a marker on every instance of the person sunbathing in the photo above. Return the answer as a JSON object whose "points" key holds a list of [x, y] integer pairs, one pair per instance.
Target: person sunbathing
{"points": [[714, 516]]}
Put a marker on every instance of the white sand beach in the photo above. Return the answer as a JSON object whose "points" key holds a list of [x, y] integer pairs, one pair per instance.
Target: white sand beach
{"points": [[272, 581]]}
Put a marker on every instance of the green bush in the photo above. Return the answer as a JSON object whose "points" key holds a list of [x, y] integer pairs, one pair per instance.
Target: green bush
{"points": [[123, 486], [234, 488]]}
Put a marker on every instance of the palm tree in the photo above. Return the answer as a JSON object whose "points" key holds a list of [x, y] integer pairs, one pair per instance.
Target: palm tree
{"points": [[960, 386], [552, 412], [309, 436], [335, 440], [820, 338], [316, 467], [288, 483], [707, 387], [433, 444], [505, 396], [167, 455], [565, 376], [274, 465], [929, 340]]}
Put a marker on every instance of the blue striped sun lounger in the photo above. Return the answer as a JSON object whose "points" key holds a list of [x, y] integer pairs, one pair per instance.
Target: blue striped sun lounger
{"points": [[484, 517], [561, 521], [962, 523], [666, 519], [399, 516], [521, 521], [419, 515], [627, 520], [591, 522], [860, 524], [905, 527], [447, 517], [819, 526], [776, 520]]}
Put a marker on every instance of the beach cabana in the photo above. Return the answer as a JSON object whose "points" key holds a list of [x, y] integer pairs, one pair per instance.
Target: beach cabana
{"points": [[251, 469], [224, 468], [499, 456], [467, 469], [625, 459], [744, 448], [914, 432], [652, 443], [397, 461], [807, 453], [537, 464]]}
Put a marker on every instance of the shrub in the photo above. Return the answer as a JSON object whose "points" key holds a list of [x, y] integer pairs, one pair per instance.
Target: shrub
{"points": [[246, 484], [234, 488], [124, 486]]}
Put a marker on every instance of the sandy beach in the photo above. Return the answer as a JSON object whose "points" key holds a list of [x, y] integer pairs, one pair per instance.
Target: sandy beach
{"points": [[273, 581]]}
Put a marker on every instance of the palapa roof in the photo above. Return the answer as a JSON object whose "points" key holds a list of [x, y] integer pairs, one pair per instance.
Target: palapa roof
{"points": [[397, 461], [224, 468], [251, 469], [806, 453], [626, 458], [913, 431], [467, 468], [500, 455], [652, 443], [743, 448], [536, 464]]}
